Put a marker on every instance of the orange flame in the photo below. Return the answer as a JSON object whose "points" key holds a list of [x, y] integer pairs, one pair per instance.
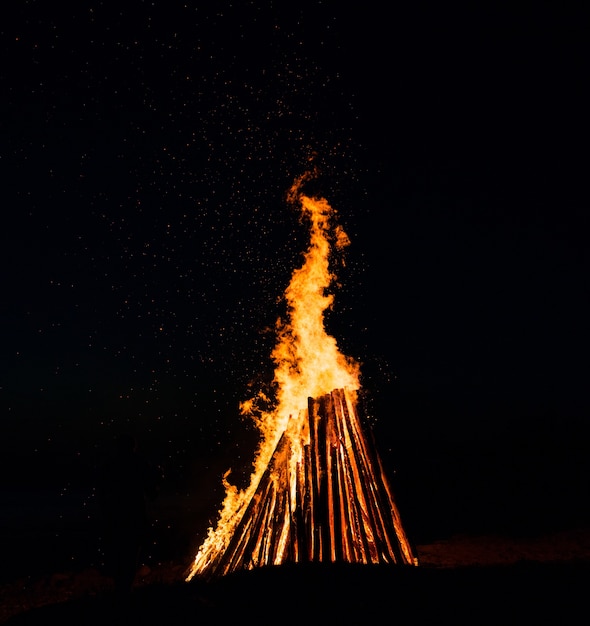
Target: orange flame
{"points": [[307, 364]]}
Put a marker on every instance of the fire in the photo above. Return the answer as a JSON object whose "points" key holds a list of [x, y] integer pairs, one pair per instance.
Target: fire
{"points": [[266, 522]]}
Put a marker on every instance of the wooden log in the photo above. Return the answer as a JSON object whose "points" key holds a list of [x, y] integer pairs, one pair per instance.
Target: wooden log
{"points": [[254, 550], [321, 407], [304, 510], [350, 523], [315, 481], [360, 479], [392, 541], [279, 538], [240, 552], [337, 552], [406, 553], [231, 553]]}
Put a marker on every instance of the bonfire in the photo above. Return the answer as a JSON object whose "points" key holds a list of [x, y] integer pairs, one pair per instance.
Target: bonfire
{"points": [[318, 491]]}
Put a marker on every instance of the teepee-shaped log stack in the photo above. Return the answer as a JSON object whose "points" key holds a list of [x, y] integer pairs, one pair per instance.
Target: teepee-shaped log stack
{"points": [[324, 497]]}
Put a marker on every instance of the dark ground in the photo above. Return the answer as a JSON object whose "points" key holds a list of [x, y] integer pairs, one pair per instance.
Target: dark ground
{"points": [[524, 592]]}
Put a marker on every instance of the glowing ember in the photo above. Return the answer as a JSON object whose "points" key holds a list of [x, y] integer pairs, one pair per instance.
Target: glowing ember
{"points": [[317, 491]]}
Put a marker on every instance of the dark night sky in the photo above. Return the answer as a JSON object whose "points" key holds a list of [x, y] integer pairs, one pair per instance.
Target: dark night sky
{"points": [[146, 151]]}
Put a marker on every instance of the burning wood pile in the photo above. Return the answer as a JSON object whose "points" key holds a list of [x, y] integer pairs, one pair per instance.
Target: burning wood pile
{"points": [[318, 492], [334, 505]]}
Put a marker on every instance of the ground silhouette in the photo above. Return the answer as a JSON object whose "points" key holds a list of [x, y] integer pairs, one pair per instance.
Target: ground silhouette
{"points": [[508, 586], [524, 593]]}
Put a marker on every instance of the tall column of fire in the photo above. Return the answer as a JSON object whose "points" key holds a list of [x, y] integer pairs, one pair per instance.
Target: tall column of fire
{"points": [[317, 490]]}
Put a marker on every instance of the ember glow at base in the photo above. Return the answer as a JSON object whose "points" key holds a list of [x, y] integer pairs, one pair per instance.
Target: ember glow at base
{"points": [[318, 491]]}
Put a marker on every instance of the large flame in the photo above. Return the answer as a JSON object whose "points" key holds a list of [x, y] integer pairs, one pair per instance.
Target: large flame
{"points": [[307, 361], [308, 364]]}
